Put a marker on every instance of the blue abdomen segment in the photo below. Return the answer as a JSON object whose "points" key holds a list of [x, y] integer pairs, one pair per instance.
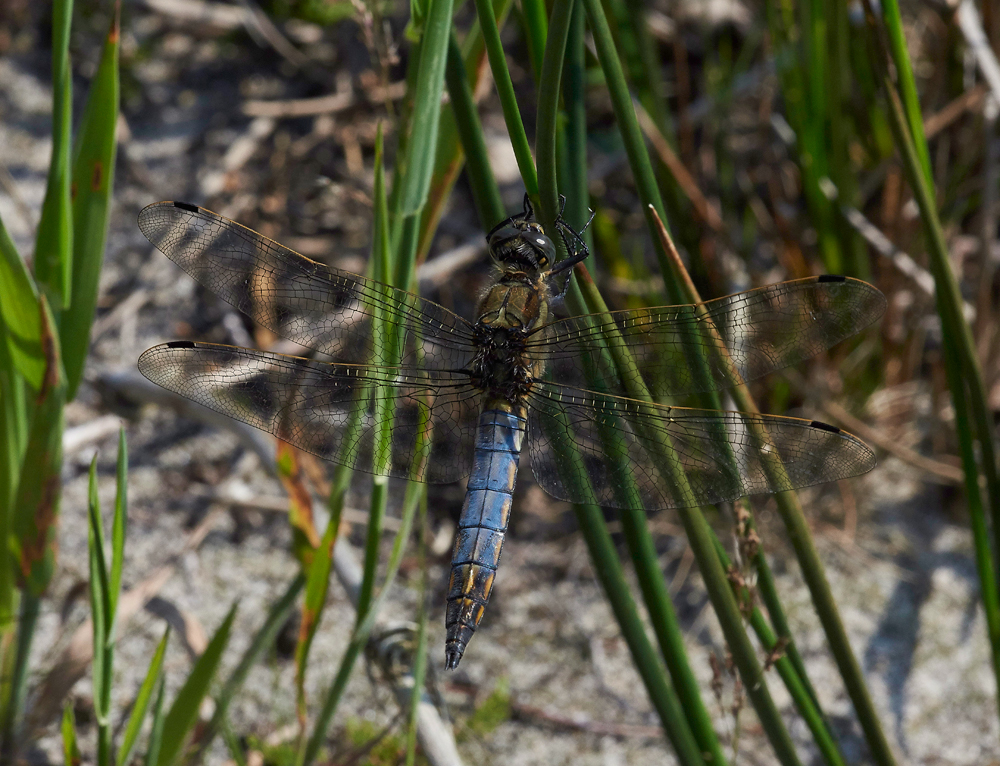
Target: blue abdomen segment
{"points": [[482, 525]]}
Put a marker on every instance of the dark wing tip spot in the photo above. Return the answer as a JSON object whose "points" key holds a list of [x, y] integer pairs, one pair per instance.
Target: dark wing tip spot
{"points": [[187, 206], [180, 344], [832, 278], [824, 426]]}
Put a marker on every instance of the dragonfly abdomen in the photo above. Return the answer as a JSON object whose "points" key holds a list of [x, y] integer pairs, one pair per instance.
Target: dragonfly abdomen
{"points": [[483, 523]]}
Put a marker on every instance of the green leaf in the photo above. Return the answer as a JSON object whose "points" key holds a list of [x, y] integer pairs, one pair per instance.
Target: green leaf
{"points": [[118, 528], [33, 539], [262, 641], [98, 596], [508, 100], [183, 714], [317, 586], [426, 108], [156, 730], [54, 244], [71, 750], [154, 677], [93, 176], [19, 310]]}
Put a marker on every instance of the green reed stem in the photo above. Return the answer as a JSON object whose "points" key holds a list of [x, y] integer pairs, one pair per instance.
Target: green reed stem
{"points": [[699, 534], [638, 539], [972, 417], [485, 192], [795, 681], [508, 101]]}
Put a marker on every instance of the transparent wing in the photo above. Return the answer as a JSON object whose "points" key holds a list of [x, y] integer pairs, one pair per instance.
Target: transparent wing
{"points": [[760, 331], [721, 454], [310, 403], [308, 302]]}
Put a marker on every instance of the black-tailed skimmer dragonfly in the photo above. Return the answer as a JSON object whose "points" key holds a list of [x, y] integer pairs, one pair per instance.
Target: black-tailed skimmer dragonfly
{"points": [[476, 392]]}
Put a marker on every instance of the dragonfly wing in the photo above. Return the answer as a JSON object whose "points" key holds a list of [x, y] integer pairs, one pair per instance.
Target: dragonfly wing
{"points": [[576, 437], [742, 336], [328, 409], [323, 308]]}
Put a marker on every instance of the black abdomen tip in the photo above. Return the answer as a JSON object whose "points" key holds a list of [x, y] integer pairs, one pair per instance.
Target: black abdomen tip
{"points": [[452, 656], [187, 206]]}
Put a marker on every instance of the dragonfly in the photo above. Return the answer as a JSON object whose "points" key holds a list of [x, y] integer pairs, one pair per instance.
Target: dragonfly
{"points": [[467, 397]]}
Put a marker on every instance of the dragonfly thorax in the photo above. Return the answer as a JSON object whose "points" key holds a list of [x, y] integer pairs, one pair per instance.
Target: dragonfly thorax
{"points": [[501, 367]]}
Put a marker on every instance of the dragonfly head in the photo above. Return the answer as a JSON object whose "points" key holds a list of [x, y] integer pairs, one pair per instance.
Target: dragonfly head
{"points": [[521, 245]]}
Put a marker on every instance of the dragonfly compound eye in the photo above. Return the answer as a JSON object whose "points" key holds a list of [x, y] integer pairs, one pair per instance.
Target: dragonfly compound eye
{"points": [[524, 250]]}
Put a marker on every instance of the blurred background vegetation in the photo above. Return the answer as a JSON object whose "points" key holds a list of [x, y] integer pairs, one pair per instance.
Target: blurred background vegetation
{"points": [[191, 620]]}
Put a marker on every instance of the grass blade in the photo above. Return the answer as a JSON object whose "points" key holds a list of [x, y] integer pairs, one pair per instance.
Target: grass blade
{"points": [[485, 192], [154, 678], [183, 713], [317, 586], [278, 615], [54, 245], [20, 312], [156, 730], [38, 491], [426, 108], [101, 617], [93, 179], [71, 749], [450, 154], [508, 101], [119, 527]]}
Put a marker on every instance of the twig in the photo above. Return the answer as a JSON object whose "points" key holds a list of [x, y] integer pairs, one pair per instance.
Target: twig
{"points": [[948, 474], [903, 262], [330, 104], [970, 100], [583, 722], [706, 211]]}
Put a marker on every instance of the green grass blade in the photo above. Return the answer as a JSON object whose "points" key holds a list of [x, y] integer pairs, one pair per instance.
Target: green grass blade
{"points": [[546, 130], [609, 571], [485, 192], [420, 658], [317, 586], [536, 29], [426, 108], [71, 749], [508, 101], [638, 539], [54, 245], [154, 678], [21, 314], [628, 124], [93, 179], [119, 527], [965, 379], [794, 679], [156, 730], [38, 492], [450, 156], [183, 714], [100, 614], [699, 534], [907, 84], [233, 745], [262, 641]]}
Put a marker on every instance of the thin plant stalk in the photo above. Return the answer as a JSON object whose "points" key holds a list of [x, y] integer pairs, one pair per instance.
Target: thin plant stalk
{"points": [[699, 534], [634, 522], [508, 101]]}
